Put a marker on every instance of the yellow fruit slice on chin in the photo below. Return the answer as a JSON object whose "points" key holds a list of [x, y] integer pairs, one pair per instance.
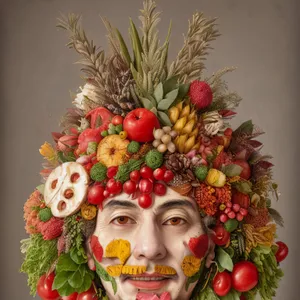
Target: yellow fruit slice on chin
{"points": [[112, 150]]}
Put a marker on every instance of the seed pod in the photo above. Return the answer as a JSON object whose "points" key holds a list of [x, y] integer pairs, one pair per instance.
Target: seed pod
{"points": [[166, 139], [173, 134], [158, 134], [171, 147], [167, 129], [162, 148], [156, 143]]}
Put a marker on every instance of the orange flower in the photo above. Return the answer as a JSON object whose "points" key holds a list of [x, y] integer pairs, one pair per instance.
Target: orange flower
{"points": [[190, 265]]}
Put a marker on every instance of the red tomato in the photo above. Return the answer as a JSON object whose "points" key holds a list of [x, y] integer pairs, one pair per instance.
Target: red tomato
{"points": [[160, 189], [158, 174], [113, 186], [116, 120], [70, 297], [96, 194], [282, 251], [129, 187], [139, 125], [44, 288], [221, 237], [145, 186], [222, 283], [88, 295], [168, 176], [102, 113], [145, 200], [146, 172], [112, 171], [135, 175], [244, 276]]}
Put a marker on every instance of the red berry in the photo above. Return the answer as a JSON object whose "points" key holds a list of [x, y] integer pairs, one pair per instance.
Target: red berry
{"points": [[113, 186], [145, 186], [116, 120], [135, 175], [146, 172], [229, 204], [168, 176], [243, 211], [227, 210], [129, 187], [223, 218], [145, 200], [96, 194], [160, 189], [231, 215], [239, 217], [158, 174], [200, 94], [282, 251], [112, 171], [236, 207]]}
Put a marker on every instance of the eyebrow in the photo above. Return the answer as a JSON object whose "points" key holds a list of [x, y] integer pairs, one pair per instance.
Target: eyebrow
{"points": [[175, 203], [119, 203]]}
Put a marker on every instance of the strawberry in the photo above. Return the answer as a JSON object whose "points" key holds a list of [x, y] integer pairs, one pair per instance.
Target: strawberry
{"points": [[199, 245], [200, 94]]}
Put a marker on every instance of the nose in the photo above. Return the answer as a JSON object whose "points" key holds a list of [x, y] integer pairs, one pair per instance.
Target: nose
{"points": [[149, 242]]}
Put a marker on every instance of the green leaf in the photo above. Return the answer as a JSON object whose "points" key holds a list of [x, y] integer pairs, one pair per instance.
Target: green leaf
{"points": [[195, 277], [224, 259], [247, 127], [60, 279], [137, 46], [169, 99], [65, 263], [124, 48], [66, 290], [232, 295], [41, 188], [232, 170], [243, 187], [164, 118], [86, 284], [158, 92], [78, 259], [154, 110], [146, 103], [105, 276], [183, 90], [76, 280], [170, 84]]}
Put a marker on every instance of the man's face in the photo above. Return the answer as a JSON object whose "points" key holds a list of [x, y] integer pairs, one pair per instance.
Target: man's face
{"points": [[157, 236]]}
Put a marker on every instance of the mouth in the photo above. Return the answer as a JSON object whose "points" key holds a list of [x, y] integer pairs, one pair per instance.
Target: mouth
{"points": [[147, 281]]}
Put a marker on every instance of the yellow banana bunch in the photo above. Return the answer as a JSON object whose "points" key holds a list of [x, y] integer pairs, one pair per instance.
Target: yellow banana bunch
{"points": [[184, 119]]}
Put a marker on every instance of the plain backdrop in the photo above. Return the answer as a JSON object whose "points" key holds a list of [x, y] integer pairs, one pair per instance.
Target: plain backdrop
{"points": [[260, 37]]}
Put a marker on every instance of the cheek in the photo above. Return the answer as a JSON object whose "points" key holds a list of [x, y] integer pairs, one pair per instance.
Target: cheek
{"points": [[96, 248], [199, 245]]}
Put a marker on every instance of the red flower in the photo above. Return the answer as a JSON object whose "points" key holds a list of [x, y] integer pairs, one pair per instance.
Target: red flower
{"points": [[51, 229]]}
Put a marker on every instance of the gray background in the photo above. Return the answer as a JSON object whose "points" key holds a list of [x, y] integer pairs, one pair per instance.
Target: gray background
{"points": [[260, 37]]}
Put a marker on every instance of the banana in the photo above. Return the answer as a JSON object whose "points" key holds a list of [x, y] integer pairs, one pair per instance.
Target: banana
{"points": [[180, 124], [180, 142], [188, 128], [189, 144], [174, 114], [185, 111]]}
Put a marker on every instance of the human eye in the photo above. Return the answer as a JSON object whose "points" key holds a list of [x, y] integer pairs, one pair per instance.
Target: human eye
{"points": [[175, 221], [123, 220]]}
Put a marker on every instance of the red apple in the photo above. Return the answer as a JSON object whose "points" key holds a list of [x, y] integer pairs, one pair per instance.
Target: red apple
{"points": [[139, 125], [246, 173]]}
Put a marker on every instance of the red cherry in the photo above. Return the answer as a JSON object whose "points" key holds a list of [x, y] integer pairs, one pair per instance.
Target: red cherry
{"points": [[168, 176], [146, 172], [160, 189], [223, 218], [145, 186], [112, 171], [129, 187], [239, 217], [243, 211], [227, 210], [236, 207], [96, 194], [229, 204], [116, 120], [145, 200], [231, 215], [159, 173], [113, 186], [135, 175], [282, 251]]}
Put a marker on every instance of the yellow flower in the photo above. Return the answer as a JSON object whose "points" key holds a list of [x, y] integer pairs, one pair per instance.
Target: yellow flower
{"points": [[134, 270], [88, 211], [164, 270], [190, 265], [48, 152], [114, 271], [118, 248], [216, 178]]}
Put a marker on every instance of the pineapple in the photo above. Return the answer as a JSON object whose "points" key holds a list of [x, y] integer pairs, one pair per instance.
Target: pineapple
{"points": [[185, 122], [112, 151]]}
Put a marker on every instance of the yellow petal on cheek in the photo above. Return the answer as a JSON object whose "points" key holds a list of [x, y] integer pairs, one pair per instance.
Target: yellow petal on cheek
{"points": [[114, 271], [164, 270], [134, 270], [118, 248], [190, 265]]}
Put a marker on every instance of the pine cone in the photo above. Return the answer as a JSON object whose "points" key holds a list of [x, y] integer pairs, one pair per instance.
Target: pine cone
{"points": [[178, 162], [145, 148]]}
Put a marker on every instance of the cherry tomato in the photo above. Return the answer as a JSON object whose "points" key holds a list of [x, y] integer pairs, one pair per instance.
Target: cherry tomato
{"points": [[168, 176], [44, 288], [96, 194], [244, 276], [113, 186], [116, 120], [160, 189], [70, 297], [145, 200], [282, 251], [222, 283], [88, 295], [146, 172], [129, 187], [158, 174], [145, 186], [112, 171], [221, 236], [135, 175]]}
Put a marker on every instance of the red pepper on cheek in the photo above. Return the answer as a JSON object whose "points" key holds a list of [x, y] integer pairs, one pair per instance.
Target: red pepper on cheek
{"points": [[199, 245], [97, 249]]}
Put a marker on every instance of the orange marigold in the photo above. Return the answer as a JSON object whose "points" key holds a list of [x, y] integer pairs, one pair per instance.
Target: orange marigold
{"points": [[223, 194], [261, 219], [31, 212]]}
